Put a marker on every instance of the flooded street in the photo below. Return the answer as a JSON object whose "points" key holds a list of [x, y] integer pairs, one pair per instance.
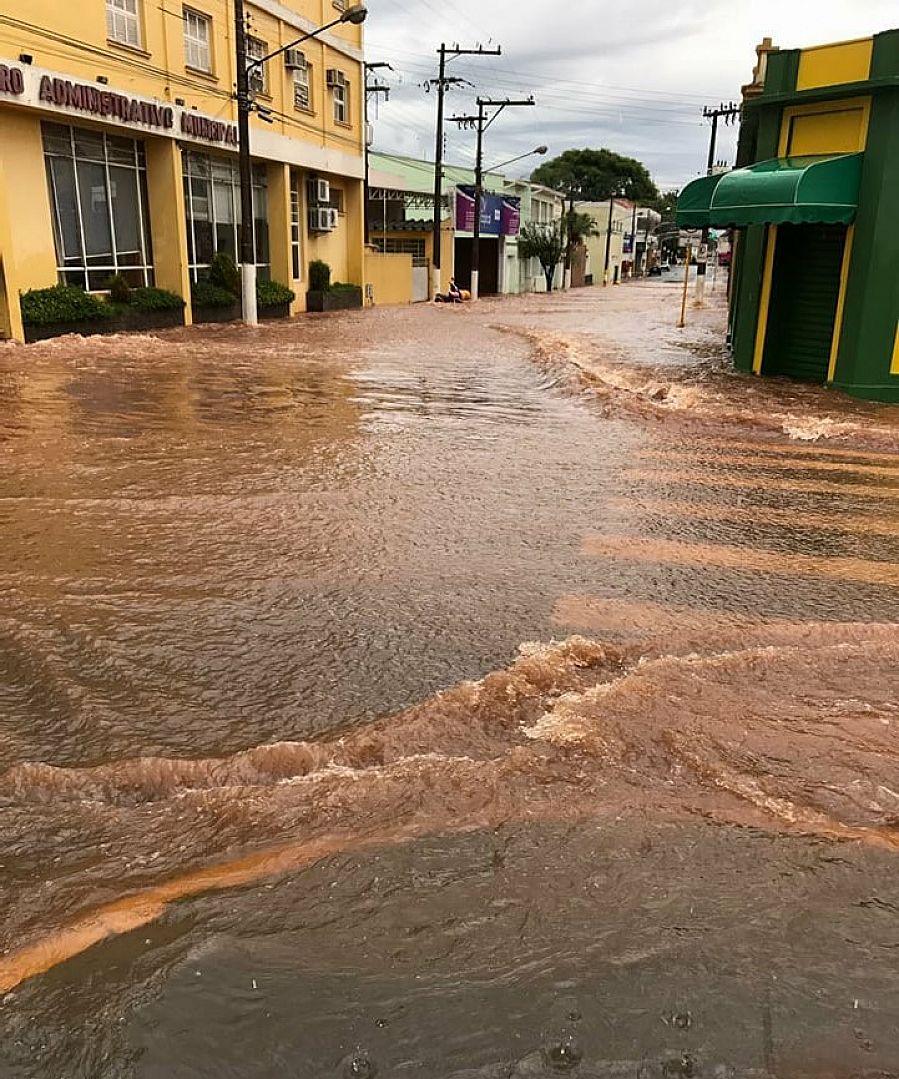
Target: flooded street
{"points": [[427, 692]]}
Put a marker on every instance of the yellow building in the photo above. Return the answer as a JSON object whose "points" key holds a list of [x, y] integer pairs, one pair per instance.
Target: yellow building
{"points": [[118, 140]]}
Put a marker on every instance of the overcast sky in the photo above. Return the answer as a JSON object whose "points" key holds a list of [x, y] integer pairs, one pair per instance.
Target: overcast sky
{"points": [[631, 76]]}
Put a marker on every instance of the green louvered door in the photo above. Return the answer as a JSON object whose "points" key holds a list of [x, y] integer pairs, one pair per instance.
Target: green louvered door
{"points": [[805, 288]]}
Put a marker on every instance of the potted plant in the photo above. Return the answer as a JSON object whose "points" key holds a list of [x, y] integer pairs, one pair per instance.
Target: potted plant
{"points": [[217, 297], [323, 296], [273, 299], [60, 309]]}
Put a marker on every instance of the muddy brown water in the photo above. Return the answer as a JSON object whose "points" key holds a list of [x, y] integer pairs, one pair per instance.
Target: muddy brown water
{"points": [[445, 692]]}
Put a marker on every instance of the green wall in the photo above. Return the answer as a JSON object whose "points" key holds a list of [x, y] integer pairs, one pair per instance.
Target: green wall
{"points": [[872, 295]]}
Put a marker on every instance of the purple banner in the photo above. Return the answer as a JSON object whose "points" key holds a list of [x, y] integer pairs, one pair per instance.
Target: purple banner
{"points": [[499, 216], [510, 220]]}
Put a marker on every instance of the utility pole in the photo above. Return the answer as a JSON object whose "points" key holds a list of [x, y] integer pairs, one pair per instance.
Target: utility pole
{"points": [[247, 256], [355, 14], [616, 190], [442, 83], [569, 230], [483, 123], [371, 88], [634, 241], [728, 113]]}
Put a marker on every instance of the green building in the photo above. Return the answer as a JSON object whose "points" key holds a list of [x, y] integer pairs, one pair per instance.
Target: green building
{"points": [[815, 204]]}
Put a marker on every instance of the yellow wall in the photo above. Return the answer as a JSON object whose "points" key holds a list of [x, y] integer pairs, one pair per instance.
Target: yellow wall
{"points": [[159, 70], [390, 277], [70, 40], [30, 261], [894, 365], [828, 128], [831, 65]]}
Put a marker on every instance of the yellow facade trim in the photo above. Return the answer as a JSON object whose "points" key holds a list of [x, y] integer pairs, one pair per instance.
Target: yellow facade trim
{"points": [[894, 365], [841, 299], [833, 65], [764, 301], [831, 127]]}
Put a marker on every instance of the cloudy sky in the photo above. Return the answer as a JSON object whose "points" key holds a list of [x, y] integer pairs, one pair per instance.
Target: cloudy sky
{"points": [[629, 76]]}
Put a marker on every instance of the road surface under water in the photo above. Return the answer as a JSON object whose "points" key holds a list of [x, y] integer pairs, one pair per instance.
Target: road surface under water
{"points": [[496, 691]]}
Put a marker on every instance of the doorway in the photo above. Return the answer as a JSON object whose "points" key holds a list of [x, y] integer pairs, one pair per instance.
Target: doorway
{"points": [[805, 289]]}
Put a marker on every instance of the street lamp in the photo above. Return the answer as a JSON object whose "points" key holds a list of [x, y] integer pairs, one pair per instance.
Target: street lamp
{"points": [[355, 14], [521, 157]]}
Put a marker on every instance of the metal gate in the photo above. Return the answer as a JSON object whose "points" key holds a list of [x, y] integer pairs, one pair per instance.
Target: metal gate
{"points": [[421, 272]]}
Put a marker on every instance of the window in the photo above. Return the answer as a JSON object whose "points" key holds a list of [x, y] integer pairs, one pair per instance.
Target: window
{"points": [[393, 246], [257, 75], [98, 196], [302, 88], [123, 22], [341, 102], [296, 209], [196, 40], [212, 206]]}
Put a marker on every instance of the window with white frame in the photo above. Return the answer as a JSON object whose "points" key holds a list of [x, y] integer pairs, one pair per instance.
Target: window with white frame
{"points": [[296, 218], [256, 73], [341, 91], [302, 87], [197, 35], [123, 22], [98, 197]]}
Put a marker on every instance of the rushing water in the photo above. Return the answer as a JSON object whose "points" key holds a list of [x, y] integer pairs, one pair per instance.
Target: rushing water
{"points": [[287, 784]]}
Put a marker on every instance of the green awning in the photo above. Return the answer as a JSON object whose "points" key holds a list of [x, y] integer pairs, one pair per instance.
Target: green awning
{"points": [[694, 201], [782, 191]]}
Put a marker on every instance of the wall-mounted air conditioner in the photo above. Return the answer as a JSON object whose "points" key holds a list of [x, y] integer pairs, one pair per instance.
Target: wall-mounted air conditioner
{"points": [[322, 219], [333, 77], [319, 190], [294, 60]]}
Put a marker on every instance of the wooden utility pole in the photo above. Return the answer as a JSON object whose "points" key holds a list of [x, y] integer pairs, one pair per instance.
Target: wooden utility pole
{"points": [[442, 82]]}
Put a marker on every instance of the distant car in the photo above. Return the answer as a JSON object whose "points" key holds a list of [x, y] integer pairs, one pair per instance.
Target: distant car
{"points": [[666, 266], [655, 271]]}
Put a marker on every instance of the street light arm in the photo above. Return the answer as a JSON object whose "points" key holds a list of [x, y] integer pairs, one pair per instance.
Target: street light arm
{"points": [[353, 15], [521, 157]]}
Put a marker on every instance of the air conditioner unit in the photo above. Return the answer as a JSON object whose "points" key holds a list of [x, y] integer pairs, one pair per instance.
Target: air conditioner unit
{"points": [[333, 77], [294, 60], [322, 219], [319, 191]]}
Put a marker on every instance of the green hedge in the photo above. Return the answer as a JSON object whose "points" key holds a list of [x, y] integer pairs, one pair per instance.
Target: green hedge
{"points": [[272, 293], [62, 303], [155, 299], [205, 294]]}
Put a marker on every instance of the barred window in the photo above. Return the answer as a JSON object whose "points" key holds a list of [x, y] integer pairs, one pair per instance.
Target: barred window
{"points": [[256, 73], [302, 88]]}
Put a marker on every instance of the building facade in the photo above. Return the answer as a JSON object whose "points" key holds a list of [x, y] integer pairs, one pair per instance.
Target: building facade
{"points": [[814, 204], [401, 216], [118, 144]]}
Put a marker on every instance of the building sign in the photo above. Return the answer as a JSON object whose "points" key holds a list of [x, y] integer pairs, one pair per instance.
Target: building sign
{"points": [[627, 244], [499, 216], [35, 88]]}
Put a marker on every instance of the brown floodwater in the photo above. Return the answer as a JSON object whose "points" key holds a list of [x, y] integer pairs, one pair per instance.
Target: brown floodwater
{"points": [[491, 691]]}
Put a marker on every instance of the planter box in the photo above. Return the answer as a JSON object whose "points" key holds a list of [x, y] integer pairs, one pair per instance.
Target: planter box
{"points": [[128, 322], [334, 300], [231, 313], [278, 310]]}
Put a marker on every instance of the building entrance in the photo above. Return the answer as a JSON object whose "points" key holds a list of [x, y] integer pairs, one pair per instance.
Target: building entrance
{"points": [[805, 287]]}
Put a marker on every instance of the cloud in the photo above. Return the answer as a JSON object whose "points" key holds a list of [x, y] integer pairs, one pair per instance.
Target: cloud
{"points": [[629, 77]]}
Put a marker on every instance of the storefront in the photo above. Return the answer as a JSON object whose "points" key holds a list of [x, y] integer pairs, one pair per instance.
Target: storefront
{"points": [[96, 183], [815, 293]]}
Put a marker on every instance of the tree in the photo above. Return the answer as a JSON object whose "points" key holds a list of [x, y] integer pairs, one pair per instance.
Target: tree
{"points": [[595, 175], [579, 227], [543, 242]]}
